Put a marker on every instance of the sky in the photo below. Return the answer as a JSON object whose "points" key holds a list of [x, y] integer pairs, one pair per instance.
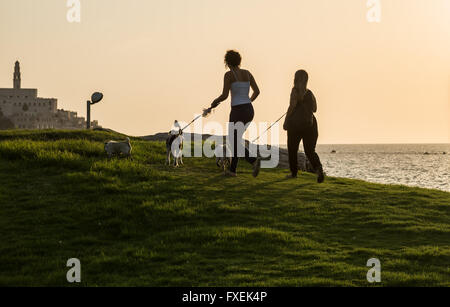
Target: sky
{"points": [[160, 60]]}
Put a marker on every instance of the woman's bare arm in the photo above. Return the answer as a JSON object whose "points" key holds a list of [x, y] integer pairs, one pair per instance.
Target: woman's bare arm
{"points": [[225, 91], [254, 87], [292, 104], [314, 103]]}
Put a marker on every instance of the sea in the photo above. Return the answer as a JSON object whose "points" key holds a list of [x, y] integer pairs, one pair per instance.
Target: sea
{"points": [[417, 165]]}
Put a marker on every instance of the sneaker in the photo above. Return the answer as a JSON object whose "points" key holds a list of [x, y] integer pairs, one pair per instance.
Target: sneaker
{"points": [[320, 175], [256, 167]]}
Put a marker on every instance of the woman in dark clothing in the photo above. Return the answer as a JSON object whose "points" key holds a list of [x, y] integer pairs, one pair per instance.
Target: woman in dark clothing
{"points": [[238, 81], [301, 123]]}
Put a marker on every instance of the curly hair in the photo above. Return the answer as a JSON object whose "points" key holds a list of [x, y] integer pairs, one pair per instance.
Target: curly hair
{"points": [[232, 58]]}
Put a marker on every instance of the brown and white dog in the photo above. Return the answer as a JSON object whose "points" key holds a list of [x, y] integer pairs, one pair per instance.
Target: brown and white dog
{"points": [[114, 148], [223, 156], [174, 146]]}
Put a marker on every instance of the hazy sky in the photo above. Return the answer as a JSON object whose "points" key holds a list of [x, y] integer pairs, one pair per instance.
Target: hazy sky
{"points": [[160, 60]]}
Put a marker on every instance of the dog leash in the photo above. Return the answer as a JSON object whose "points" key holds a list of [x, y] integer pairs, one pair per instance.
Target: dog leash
{"points": [[269, 127], [191, 122], [204, 114], [207, 111]]}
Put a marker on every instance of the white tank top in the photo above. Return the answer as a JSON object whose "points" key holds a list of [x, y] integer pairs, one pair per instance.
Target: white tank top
{"points": [[240, 91]]}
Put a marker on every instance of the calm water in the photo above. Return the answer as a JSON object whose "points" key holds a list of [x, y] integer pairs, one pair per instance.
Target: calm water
{"points": [[392, 164]]}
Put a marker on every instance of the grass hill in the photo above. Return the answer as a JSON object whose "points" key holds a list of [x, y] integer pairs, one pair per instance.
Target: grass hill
{"points": [[143, 223]]}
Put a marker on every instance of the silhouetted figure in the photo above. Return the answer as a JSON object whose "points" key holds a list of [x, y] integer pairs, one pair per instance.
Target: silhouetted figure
{"points": [[238, 81], [301, 123]]}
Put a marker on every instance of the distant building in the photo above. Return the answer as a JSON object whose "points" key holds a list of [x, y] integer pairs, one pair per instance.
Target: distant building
{"points": [[28, 111]]}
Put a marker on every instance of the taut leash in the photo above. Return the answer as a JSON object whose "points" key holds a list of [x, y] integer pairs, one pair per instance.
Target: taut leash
{"points": [[269, 127], [191, 122], [207, 111], [204, 114]]}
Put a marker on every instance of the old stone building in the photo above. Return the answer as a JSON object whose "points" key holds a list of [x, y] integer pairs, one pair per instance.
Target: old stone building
{"points": [[26, 110]]}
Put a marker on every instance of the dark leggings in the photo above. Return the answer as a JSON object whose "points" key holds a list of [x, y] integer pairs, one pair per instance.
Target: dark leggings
{"points": [[309, 137], [243, 113]]}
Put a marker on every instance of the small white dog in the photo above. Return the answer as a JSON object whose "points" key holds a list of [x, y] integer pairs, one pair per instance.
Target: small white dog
{"points": [[113, 148], [174, 146], [223, 156]]}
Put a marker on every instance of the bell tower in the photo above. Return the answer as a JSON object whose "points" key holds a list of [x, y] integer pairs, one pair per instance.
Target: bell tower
{"points": [[17, 75]]}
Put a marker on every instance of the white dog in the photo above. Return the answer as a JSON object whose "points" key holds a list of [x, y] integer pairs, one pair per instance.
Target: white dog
{"points": [[118, 148], [174, 146]]}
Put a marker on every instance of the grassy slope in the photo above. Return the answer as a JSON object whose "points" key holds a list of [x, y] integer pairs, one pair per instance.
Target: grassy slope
{"points": [[142, 223]]}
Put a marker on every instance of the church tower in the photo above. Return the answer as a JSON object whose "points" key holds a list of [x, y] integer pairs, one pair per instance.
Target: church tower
{"points": [[17, 75]]}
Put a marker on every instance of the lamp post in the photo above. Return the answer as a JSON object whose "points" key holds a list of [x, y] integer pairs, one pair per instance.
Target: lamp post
{"points": [[95, 98]]}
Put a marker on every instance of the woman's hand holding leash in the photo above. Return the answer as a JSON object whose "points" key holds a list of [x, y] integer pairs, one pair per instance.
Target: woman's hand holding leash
{"points": [[207, 111]]}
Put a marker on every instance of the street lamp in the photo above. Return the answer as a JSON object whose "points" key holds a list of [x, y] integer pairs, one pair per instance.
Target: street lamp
{"points": [[95, 98]]}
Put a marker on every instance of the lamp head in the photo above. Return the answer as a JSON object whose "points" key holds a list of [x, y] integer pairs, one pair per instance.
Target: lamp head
{"points": [[96, 97]]}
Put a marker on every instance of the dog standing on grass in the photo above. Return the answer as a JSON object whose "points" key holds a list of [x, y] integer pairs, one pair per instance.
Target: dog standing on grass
{"points": [[114, 148], [223, 157], [174, 146]]}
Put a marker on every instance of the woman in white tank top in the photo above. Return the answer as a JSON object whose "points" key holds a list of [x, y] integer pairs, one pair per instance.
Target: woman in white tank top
{"points": [[238, 81]]}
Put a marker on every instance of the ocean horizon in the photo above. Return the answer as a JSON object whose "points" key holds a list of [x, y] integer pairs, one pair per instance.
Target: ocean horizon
{"points": [[425, 165], [417, 165]]}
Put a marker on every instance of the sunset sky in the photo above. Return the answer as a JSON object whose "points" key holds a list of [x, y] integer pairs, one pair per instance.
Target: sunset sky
{"points": [[160, 60]]}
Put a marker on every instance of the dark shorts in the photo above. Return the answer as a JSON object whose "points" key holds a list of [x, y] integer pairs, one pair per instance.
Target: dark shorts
{"points": [[242, 113]]}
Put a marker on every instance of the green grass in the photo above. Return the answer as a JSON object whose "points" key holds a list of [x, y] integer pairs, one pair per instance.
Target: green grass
{"points": [[141, 223]]}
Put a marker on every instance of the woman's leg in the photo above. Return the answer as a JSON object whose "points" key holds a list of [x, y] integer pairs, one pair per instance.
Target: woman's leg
{"points": [[248, 115], [240, 116], [309, 145], [294, 138], [241, 145], [235, 158]]}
